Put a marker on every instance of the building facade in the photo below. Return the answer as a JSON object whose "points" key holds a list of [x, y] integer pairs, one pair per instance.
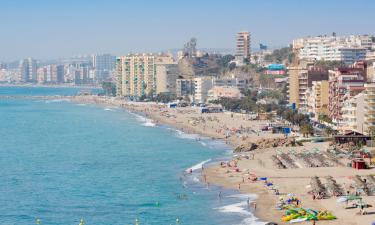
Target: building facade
{"points": [[166, 76], [136, 74], [318, 99], [301, 78], [201, 87], [103, 65], [343, 83], [348, 49], [243, 49], [28, 70], [353, 114], [218, 92], [369, 109]]}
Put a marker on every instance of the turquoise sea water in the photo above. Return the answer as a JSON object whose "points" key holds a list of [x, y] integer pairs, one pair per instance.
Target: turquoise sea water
{"points": [[63, 161]]}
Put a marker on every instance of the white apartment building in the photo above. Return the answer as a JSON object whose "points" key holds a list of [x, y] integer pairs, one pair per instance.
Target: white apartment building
{"points": [[353, 114], [369, 109], [331, 48], [201, 87]]}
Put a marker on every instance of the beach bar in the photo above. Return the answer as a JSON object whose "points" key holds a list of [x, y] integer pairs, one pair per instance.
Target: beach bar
{"points": [[354, 137]]}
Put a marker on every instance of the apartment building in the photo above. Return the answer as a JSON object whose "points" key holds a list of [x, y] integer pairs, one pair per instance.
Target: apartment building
{"points": [[28, 70], [369, 109], [166, 77], [348, 49], [301, 78], [184, 87], [317, 98], [201, 87], [353, 114], [344, 83], [243, 50], [136, 73]]}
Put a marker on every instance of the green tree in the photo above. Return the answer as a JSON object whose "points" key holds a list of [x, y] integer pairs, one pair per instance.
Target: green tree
{"points": [[224, 61], [109, 88], [306, 130]]}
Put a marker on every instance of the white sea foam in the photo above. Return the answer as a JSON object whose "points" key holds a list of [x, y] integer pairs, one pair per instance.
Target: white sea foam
{"points": [[242, 209], [145, 121], [109, 109], [196, 179], [198, 166], [58, 100]]}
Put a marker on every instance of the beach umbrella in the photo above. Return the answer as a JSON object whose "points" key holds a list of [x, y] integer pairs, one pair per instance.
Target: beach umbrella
{"points": [[263, 178]]}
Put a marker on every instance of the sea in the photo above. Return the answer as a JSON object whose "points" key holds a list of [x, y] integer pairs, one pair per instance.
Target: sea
{"points": [[65, 163]]}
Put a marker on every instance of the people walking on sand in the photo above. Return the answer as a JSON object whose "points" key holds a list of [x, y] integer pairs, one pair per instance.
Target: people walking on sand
{"points": [[239, 186]]}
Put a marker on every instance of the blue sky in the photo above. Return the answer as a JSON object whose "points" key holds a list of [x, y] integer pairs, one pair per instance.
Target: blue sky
{"points": [[58, 28]]}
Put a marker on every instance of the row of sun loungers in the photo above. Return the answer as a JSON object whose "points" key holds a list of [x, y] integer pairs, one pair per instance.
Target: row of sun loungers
{"points": [[286, 160], [277, 162], [332, 187], [361, 185]]}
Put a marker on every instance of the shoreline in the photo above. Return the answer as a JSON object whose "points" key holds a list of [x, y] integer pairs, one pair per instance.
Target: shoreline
{"points": [[262, 214], [294, 181], [288, 181]]}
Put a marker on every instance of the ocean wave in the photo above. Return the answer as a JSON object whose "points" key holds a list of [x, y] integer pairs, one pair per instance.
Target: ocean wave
{"points": [[109, 109], [198, 166], [58, 100], [242, 209], [144, 120]]}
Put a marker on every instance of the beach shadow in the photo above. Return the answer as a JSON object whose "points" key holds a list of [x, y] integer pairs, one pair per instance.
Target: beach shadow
{"points": [[370, 213]]}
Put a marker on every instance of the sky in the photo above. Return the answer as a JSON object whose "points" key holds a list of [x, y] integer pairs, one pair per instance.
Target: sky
{"points": [[51, 29]]}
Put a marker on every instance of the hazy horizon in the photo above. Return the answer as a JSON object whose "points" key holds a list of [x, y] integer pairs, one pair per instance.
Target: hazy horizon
{"points": [[51, 30]]}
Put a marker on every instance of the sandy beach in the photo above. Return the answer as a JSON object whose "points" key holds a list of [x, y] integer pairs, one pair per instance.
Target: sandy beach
{"points": [[237, 129]]}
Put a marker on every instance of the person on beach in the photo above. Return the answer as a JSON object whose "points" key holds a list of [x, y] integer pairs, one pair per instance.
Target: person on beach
{"points": [[248, 203], [220, 195], [239, 186]]}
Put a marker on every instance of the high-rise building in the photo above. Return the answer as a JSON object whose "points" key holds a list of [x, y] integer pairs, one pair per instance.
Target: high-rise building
{"points": [[28, 69], [103, 64], [242, 46], [136, 73]]}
